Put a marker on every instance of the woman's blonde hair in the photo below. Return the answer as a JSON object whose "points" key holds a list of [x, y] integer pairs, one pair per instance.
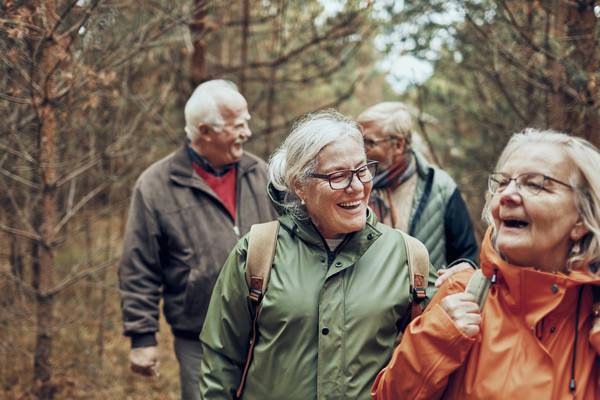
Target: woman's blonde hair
{"points": [[586, 181]]}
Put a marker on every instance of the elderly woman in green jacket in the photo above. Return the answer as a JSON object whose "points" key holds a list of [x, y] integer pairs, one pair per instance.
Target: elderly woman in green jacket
{"points": [[339, 286]]}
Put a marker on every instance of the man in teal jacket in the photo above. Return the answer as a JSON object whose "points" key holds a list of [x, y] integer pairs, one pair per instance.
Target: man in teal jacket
{"points": [[409, 193]]}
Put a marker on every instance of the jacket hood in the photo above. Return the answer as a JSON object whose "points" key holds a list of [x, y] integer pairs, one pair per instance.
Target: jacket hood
{"points": [[277, 198]]}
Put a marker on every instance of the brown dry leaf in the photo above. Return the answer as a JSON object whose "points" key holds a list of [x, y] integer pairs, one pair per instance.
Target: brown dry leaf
{"points": [[92, 102]]}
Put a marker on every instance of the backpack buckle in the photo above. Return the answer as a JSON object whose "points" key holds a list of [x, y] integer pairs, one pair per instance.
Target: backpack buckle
{"points": [[419, 294], [256, 292], [255, 295]]}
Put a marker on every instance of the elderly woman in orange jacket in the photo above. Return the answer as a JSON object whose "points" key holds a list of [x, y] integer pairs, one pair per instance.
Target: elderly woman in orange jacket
{"points": [[538, 334]]}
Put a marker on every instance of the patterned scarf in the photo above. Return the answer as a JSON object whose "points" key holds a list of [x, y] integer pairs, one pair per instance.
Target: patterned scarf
{"points": [[384, 183], [393, 176]]}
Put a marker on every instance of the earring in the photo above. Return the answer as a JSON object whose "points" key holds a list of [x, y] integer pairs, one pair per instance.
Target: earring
{"points": [[576, 248], [302, 202]]}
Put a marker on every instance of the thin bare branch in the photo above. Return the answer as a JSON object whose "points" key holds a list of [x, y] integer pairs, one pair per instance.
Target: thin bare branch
{"points": [[19, 232], [79, 276], [82, 202], [19, 179], [18, 281]]}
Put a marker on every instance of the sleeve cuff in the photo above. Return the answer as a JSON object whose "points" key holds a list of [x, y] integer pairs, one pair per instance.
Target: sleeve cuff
{"points": [[143, 340]]}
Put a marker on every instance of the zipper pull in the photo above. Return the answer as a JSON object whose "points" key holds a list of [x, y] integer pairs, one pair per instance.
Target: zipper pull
{"points": [[236, 230]]}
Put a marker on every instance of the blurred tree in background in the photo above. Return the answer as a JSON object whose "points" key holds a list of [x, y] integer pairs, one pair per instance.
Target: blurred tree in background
{"points": [[92, 92], [500, 66]]}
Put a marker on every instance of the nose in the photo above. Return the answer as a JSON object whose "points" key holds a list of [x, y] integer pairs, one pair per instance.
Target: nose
{"points": [[510, 194], [355, 184], [246, 132]]}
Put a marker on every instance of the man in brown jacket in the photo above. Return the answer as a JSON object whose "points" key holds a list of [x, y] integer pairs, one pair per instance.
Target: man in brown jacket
{"points": [[187, 212]]}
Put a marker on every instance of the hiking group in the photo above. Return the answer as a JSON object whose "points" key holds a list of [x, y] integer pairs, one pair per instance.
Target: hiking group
{"points": [[335, 298]]}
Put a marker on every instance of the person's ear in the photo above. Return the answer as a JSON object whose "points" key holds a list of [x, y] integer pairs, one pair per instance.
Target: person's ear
{"points": [[578, 231], [300, 192], [204, 131], [399, 145]]}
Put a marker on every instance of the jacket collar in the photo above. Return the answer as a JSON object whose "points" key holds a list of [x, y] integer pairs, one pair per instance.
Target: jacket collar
{"points": [[182, 172], [528, 288], [423, 167], [356, 244]]}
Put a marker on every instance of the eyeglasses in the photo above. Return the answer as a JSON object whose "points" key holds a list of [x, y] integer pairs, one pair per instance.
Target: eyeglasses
{"points": [[340, 180], [531, 182], [370, 143]]}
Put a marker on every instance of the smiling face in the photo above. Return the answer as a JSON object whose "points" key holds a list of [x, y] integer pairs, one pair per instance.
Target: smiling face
{"points": [[225, 146], [386, 152], [537, 230], [337, 212]]}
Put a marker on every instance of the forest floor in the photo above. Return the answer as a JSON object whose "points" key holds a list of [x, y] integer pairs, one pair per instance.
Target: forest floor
{"points": [[79, 371]]}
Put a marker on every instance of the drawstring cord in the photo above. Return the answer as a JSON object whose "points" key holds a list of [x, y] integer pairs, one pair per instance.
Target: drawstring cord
{"points": [[572, 385]]}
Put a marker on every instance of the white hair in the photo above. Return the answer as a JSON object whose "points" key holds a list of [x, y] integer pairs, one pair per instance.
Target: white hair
{"points": [[203, 107], [392, 117], [296, 158], [585, 180]]}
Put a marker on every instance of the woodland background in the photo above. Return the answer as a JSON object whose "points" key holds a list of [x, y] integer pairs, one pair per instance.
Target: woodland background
{"points": [[92, 92]]}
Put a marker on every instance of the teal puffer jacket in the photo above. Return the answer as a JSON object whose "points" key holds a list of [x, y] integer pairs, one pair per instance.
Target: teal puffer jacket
{"points": [[328, 323]]}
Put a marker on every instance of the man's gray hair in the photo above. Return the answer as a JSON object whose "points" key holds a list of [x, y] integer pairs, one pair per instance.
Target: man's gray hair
{"points": [[585, 180], [392, 117], [203, 107], [296, 157]]}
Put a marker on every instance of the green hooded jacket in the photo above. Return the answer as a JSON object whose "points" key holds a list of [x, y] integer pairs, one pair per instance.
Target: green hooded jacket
{"points": [[328, 323]]}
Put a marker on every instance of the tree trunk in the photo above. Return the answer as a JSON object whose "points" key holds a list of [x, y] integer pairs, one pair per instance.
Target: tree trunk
{"points": [[47, 209], [276, 51], [583, 118], [198, 29], [556, 40], [244, 49]]}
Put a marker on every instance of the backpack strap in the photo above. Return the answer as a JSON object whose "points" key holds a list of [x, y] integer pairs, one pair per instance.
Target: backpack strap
{"points": [[479, 286], [259, 261], [418, 267], [596, 308]]}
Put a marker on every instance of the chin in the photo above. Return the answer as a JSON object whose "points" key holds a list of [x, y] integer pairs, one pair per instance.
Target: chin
{"points": [[356, 226]]}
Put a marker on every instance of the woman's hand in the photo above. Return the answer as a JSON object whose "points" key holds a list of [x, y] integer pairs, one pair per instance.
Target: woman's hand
{"points": [[464, 311], [445, 273]]}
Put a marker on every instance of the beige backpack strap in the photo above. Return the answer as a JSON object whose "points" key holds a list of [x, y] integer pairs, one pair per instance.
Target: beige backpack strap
{"points": [[261, 250], [479, 286], [418, 266]]}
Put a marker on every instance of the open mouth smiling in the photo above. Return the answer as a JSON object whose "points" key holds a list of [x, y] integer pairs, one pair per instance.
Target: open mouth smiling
{"points": [[514, 223], [350, 205]]}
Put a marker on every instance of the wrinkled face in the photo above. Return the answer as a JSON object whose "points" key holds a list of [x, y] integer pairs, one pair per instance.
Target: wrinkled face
{"points": [[337, 212], [387, 152], [225, 146], [537, 230]]}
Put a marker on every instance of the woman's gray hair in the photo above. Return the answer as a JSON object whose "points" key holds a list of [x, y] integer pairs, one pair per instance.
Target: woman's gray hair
{"points": [[296, 158], [585, 180], [202, 106]]}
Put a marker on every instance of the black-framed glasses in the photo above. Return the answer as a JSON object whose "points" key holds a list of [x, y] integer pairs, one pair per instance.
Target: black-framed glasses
{"points": [[340, 180], [530, 182], [370, 143]]}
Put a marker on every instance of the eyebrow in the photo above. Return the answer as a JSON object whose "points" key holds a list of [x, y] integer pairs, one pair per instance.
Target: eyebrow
{"points": [[336, 169]]}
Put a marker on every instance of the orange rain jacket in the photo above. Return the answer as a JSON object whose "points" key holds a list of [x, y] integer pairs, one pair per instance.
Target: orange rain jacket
{"points": [[524, 350]]}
